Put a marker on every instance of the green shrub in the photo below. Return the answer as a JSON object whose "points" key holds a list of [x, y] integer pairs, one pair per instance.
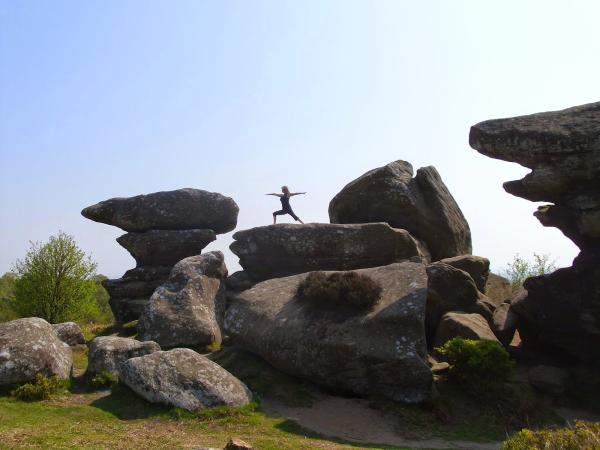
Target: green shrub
{"points": [[340, 288], [103, 380], [42, 388], [584, 435], [476, 362]]}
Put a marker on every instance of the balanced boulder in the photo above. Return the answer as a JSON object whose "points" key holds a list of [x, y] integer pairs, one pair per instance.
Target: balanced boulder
{"points": [[182, 209], [287, 249], [30, 346], [108, 352], [184, 311], [559, 311], [422, 205], [70, 333], [184, 379], [378, 351]]}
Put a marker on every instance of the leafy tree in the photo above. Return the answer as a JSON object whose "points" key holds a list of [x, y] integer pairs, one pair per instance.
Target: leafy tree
{"points": [[7, 296], [520, 269], [56, 281]]}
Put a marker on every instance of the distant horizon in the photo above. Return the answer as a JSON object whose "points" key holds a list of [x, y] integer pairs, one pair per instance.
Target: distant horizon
{"points": [[115, 99]]}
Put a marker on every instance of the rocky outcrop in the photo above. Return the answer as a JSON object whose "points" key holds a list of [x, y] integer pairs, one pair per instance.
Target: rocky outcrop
{"points": [[467, 326], [498, 289], [559, 311], [164, 228], [286, 249], [504, 323], [476, 266], [422, 205], [380, 351], [108, 352], [182, 209], [30, 346], [184, 310], [184, 379], [165, 247], [69, 333]]}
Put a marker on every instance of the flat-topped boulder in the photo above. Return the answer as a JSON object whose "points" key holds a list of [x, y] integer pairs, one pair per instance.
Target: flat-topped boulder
{"points": [[108, 352], [165, 247], [30, 346], [563, 150], [377, 351], [181, 209], [422, 205], [185, 310], [184, 379], [287, 249]]}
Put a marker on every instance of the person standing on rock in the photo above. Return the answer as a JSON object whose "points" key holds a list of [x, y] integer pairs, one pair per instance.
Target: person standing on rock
{"points": [[285, 204]]}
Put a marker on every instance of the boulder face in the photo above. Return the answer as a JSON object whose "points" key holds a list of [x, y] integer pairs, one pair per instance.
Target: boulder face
{"points": [[184, 379], [69, 333], [562, 148], [476, 266], [185, 310], [182, 209], [422, 205], [380, 351], [30, 346], [467, 326], [108, 352], [287, 249], [165, 247]]}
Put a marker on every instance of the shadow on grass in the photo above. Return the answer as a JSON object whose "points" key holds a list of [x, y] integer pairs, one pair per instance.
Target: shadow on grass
{"points": [[124, 404]]}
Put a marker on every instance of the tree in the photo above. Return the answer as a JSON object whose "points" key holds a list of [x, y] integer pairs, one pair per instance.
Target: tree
{"points": [[55, 281], [520, 269], [7, 296]]}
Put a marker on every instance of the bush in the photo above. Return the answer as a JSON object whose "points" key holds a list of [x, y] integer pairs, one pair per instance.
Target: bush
{"points": [[56, 282], [42, 388], [343, 288], [476, 362], [520, 269], [104, 380], [584, 435]]}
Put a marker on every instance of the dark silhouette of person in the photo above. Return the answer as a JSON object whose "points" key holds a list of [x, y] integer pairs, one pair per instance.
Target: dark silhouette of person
{"points": [[285, 204]]}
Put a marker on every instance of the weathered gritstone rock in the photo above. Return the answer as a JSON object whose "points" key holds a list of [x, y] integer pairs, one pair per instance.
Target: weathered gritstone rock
{"points": [[504, 323], [30, 346], [165, 247], [108, 352], [287, 249], [559, 311], [380, 352], [422, 205], [184, 379], [185, 310], [182, 209], [498, 289], [467, 326], [69, 333], [476, 266]]}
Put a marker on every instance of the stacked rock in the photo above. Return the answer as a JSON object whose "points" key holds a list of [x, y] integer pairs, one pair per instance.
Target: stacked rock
{"points": [[561, 310], [163, 228]]}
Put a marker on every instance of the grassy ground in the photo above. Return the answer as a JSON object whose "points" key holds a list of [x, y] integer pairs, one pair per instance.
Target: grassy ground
{"points": [[119, 419]]}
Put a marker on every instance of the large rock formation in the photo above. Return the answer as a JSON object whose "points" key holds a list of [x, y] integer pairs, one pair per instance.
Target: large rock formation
{"points": [[30, 346], [422, 205], [108, 352], [466, 326], [183, 378], [287, 249], [164, 227], [182, 209], [562, 148], [184, 310], [69, 333], [381, 351]]}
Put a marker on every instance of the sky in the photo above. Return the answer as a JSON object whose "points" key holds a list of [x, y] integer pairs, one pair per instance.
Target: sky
{"points": [[102, 99]]}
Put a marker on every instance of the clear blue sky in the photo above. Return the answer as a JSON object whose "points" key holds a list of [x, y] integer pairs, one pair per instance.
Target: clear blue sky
{"points": [[116, 98]]}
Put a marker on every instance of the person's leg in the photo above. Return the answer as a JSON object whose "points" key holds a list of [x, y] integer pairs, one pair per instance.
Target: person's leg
{"points": [[296, 218], [277, 213]]}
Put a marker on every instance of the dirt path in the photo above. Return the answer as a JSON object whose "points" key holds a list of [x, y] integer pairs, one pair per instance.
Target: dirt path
{"points": [[353, 420]]}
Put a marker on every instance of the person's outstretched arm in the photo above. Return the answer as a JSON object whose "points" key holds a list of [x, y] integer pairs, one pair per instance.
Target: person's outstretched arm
{"points": [[297, 193], [276, 195]]}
